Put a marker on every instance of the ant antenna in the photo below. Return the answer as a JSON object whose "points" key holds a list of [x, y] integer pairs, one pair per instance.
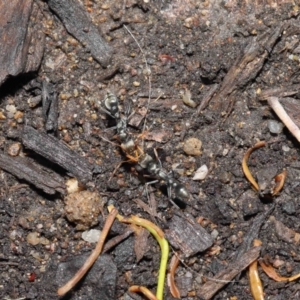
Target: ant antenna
{"points": [[148, 73]]}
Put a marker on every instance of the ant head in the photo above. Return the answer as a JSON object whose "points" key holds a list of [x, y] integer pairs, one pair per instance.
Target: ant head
{"points": [[110, 101]]}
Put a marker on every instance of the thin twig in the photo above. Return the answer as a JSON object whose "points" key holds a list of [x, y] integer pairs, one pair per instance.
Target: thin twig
{"points": [[284, 117], [149, 76], [92, 258]]}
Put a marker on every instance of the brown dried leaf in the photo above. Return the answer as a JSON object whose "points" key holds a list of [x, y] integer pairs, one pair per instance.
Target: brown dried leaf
{"points": [[141, 243], [160, 136], [284, 233]]}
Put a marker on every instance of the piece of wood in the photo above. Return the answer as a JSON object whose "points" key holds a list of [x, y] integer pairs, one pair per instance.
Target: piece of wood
{"points": [[79, 24], [247, 66], [187, 235], [50, 106], [21, 36], [23, 168], [211, 287], [284, 91], [57, 152]]}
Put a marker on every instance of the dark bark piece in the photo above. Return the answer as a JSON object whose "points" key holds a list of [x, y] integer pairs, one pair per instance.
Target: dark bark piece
{"points": [[253, 232], [188, 236], [22, 168], [50, 106], [285, 91], [247, 66], [57, 152], [211, 287], [207, 97], [21, 36], [78, 23]]}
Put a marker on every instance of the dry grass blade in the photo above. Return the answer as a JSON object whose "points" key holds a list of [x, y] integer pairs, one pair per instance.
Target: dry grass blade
{"points": [[279, 179], [171, 276], [284, 117], [255, 282], [245, 165], [141, 289], [92, 258], [270, 271]]}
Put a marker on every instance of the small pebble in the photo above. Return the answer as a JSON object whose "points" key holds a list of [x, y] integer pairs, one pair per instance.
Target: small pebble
{"points": [[33, 238], [201, 173], [75, 93], [286, 148], [192, 146], [225, 177], [18, 115], [91, 236], [136, 83], [72, 185], [225, 152], [2, 116], [10, 115], [44, 241], [105, 6], [274, 126], [214, 234], [14, 149], [22, 221], [11, 108], [187, 98]]}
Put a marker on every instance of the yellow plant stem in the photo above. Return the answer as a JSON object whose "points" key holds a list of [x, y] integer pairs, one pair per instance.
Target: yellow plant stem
{"points": [[163, 243]]}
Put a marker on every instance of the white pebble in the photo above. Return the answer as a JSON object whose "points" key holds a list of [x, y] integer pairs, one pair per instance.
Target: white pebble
{"points": [[11, 108], [225, 152], [274, 126], [201, 173], [214, 234], [91, 236], [286, 148]]}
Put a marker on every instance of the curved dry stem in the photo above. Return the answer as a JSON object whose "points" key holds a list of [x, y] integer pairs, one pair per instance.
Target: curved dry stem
{"points": [[92, 258]]}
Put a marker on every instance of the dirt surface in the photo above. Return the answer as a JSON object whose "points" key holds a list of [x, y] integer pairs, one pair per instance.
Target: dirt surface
{"points": [[190, 47]]}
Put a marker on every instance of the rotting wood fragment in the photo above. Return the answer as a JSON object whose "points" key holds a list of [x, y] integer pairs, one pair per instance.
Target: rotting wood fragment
{"points": [[57, 152], [279, 92], [247, 66], [50, 106], [207, 97], [79, 24], [211, 287], [285, 233], [24, 169], [188, 236], [21, 36], [253, 232]]}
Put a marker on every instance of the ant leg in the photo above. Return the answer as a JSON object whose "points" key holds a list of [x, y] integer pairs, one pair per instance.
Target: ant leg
{"points": [[107, 112], [116, 169], [128, 109], [169, 192], [157, 158], [146, 187]]}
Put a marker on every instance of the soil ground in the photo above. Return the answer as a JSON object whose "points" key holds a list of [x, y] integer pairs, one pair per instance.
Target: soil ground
{"points": [[189, 46]]}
